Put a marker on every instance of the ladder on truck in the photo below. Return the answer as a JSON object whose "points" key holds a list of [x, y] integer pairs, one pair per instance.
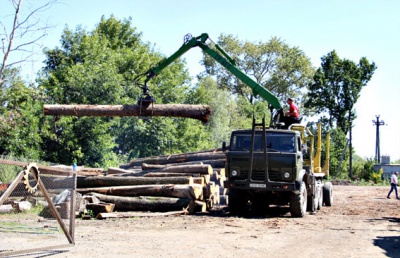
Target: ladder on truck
{"points": [[264, 140]]}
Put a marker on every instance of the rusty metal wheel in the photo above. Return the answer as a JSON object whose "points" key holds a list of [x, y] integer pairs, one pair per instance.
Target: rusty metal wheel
{"points": [[31, 173]]}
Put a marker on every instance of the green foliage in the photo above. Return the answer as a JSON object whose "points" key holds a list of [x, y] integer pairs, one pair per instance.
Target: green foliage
{"points": [[106, 66], [20, 117], [337, 154], [283, 70], [226, 111], [7, 173], [336, 88], [102, 67]]}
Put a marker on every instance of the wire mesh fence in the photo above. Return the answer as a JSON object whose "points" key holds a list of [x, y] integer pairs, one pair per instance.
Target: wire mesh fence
{"points": [[37, 210]]}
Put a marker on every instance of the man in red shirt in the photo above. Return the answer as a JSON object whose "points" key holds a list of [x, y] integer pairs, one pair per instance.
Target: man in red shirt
{"points": [[293, 110], [292, 116]]}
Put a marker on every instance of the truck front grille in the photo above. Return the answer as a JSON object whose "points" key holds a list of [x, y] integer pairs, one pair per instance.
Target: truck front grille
{"points": [[261, 175]]}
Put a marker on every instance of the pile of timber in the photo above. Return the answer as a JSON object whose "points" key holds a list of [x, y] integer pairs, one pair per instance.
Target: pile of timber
{"points": [[190, 181]]}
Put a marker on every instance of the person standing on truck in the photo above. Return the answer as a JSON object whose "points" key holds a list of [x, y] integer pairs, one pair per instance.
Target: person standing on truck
{"points": [[293, 109], [292, 116], [393, 185]]}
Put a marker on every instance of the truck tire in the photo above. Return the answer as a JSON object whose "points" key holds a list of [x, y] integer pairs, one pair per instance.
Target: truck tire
{"points": [[320, 198], [237, 201], [328, 194], [298, 202], [312, 201]]}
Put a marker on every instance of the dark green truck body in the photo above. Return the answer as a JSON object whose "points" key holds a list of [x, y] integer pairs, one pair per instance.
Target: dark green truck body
{"points": [[270, 174]]}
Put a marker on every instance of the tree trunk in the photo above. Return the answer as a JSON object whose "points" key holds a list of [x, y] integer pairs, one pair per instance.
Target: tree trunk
{"points": [[128, 214], [194, 191], [215, 163], [199, 112], [168, 174], [201, 169], [175, 158], [158, 204], [119, 181], [118, 171]]}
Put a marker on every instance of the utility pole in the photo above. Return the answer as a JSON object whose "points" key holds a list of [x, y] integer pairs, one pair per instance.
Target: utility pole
{"points": [[377, 123]]}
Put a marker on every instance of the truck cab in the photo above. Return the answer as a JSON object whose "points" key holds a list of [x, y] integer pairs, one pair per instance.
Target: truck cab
{"points": [[269, 166]]}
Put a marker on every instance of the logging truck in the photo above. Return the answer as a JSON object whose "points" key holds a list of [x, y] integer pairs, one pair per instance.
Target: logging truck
{"points": [[265, 165], [275, 166]]}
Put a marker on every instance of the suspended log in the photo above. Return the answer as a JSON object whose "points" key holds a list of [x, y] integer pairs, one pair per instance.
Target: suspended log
{"points": [[194, 191], [120, 181], [215, 163], [199, 112], [175, 158], [158, 204]]}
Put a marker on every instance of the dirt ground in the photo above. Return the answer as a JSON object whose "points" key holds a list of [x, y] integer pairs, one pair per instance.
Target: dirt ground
{"points": [[361, 223]]}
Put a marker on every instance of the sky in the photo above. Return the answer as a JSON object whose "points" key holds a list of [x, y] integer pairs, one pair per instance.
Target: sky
{"points": [[354, 29]]}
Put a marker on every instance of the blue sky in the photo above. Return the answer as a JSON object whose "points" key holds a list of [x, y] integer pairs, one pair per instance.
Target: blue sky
{"points": [[354, 29]]}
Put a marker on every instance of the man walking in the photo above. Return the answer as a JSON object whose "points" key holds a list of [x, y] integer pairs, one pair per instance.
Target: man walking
{"points": [[393, 185]]}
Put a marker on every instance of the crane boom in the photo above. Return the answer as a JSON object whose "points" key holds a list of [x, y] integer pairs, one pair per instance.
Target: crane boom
{"points": [[222, 58]]}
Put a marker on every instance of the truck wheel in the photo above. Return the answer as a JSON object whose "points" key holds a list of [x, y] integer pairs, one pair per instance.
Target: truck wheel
{"points": [[312, 201], [298, 202], [320, 198], [237, 201], [328, 194]]}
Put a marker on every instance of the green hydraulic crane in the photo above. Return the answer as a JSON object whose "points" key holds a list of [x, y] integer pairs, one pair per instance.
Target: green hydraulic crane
{"points": [[221, 57]]}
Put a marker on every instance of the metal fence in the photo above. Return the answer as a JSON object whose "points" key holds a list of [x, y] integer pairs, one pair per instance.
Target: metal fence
{"points": [[37, 210]]}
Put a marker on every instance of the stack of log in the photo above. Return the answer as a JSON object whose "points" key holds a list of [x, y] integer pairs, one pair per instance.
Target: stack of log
{"points": [[189, 181]]}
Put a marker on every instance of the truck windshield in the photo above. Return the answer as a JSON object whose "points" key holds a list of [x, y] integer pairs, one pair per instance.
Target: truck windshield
{"points": [[280, 142]]}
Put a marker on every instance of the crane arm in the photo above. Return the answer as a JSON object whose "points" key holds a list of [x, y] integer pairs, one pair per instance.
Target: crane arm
{"points": [[221, 57]]}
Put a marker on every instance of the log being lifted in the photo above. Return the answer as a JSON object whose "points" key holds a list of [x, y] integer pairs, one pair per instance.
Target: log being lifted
{"points": [[199, 112]]}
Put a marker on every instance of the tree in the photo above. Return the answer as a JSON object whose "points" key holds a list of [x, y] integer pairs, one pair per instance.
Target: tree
{"points": [[25, 31], [283, 70], [101, 67], [226, 114], [336, 88], [20, 118]]}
